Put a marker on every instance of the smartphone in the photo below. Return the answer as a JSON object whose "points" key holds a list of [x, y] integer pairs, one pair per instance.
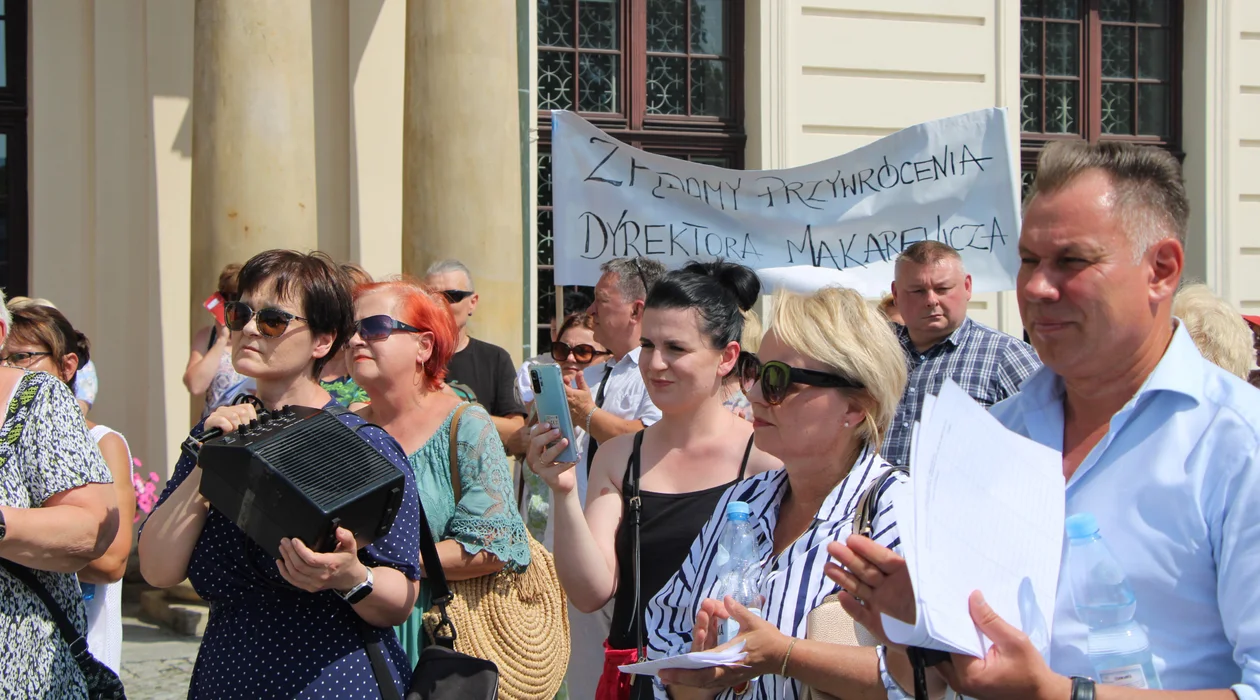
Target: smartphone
{"points": [[553, 405], [214, 304]]}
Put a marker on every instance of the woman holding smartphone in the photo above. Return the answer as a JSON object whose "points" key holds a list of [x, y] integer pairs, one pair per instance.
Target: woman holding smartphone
{"points": [[681, 464]]}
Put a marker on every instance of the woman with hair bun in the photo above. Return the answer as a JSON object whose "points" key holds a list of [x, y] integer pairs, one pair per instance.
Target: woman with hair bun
{"points": [[682, 464], [41, 339]]}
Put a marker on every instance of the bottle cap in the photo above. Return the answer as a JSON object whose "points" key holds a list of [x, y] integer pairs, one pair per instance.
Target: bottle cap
{"points": [[737, 508], [1081, 525]]}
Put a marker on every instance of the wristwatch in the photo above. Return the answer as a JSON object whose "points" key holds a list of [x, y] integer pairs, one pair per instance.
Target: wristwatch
{"points": [[1082, 688], [363, 590]]}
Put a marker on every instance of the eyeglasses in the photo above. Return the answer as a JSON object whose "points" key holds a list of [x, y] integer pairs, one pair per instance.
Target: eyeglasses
{"points": [[381, 326], [777, 377], [22, 360], [455, 296], [582, 353], [272, 322]]}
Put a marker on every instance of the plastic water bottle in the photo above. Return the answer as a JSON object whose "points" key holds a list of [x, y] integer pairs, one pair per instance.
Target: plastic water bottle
{"points": [[740, 565], [89, 590], [1118, 646]]}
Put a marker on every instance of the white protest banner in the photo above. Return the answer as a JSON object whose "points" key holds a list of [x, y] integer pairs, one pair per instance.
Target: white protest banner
{"points": [[840, 221]]}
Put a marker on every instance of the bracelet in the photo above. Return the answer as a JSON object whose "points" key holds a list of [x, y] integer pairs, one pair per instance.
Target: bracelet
{"points": [[788, 655], [588, 419], [1082, 688]]}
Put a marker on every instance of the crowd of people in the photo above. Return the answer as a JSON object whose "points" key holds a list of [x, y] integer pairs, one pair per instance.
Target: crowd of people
{"points": [[682, 410]]}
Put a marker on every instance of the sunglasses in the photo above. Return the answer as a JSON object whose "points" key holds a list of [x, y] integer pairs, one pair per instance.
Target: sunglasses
{"points": [[777, 377], [582, 353], [272, 322], [381, 326], [22, 359], [454, 296]]}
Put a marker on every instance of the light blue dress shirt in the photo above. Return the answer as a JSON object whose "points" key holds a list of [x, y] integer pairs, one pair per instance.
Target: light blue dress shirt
{"points": [[1175, 485]]}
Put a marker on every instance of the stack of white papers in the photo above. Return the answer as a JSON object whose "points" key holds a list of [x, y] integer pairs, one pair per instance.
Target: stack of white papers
{"points": [[730, 656], [983, 511]]}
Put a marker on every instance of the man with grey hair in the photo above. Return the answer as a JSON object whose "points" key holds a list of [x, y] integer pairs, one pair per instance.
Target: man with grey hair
{"points": [[483, 372], [931, 290], [1160, 447]]}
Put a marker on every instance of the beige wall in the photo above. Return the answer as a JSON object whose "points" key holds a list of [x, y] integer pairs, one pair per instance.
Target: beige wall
{"points": [[110, 178]]}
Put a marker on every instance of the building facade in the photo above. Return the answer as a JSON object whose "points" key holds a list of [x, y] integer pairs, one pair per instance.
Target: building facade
{"points": [[148, 142]]}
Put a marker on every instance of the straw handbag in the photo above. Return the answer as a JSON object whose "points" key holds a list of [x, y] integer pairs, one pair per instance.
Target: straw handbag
{"points": [[520, 621], [830, 622]]}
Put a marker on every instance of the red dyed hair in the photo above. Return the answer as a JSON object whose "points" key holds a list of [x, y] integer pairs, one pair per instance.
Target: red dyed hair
{"points": [[419, 307]]}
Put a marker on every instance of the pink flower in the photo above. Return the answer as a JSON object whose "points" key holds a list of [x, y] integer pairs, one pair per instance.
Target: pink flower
{"points": [[146, 491]]}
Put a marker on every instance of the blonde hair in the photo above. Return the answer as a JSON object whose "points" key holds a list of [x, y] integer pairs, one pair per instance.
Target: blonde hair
{"points": [[750, 337], [835, 326], [1219, 332]]}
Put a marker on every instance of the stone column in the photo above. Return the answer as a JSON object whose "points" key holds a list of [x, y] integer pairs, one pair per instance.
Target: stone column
{"points": [[253, 170], [461, 155]]}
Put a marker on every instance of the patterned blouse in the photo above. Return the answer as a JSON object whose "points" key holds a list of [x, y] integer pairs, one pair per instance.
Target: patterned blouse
{"points": [[486, 517], [345, 391], [45, 449]]}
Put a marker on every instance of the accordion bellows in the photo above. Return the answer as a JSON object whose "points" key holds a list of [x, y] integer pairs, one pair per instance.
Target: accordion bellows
{"points": [[301, 473]]}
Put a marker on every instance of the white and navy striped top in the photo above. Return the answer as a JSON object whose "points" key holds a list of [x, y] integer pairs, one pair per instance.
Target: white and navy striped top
{"points": [[792, 583]]}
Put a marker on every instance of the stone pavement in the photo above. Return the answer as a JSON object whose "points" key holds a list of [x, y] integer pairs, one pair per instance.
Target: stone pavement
{"points": [[157, 663]]}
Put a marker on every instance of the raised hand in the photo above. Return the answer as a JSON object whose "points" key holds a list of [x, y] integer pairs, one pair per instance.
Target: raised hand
{"points": [[545, 445]]}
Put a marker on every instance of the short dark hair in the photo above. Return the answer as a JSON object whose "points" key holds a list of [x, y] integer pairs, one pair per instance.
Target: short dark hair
{"points": [[719, 291], [317, 283], [928, 252]]}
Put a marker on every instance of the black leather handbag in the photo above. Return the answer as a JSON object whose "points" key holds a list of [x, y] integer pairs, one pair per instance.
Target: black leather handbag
{"points": [[441, 673], [102, 682]]}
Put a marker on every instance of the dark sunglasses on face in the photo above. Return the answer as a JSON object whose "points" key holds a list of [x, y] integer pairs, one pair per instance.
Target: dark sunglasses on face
{"points": [[455, 296], [582, 353], [22, 359], [271, 322], [381, 326], [777, 377]]}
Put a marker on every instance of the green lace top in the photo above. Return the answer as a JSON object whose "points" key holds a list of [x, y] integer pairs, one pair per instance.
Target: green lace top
{"points": [[486, 517]]}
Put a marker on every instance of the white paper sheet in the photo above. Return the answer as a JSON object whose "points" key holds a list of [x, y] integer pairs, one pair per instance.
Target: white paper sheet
{"points": [[988, 515], [731, 656]]}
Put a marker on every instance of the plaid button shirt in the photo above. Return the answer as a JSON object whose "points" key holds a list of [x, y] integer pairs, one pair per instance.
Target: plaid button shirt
{"points": [[989, 365]]}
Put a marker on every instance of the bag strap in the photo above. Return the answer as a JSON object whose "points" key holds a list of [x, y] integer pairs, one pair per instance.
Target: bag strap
{"points": [[454, 455], [868, 502], [635, 505], [77, 642]]}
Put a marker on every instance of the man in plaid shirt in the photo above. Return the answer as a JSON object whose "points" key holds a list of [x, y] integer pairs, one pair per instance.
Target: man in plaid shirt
{"points": [[932, 290]]}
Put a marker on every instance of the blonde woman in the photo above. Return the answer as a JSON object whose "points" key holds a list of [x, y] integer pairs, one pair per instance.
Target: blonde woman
{"points": [[1220, 333], [824, 388]]}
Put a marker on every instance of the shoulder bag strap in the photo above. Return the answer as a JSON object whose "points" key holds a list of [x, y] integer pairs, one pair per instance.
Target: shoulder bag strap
{"points": [[437, 583], [77, 642], [635, 506], [868, 503], [454, 456]]}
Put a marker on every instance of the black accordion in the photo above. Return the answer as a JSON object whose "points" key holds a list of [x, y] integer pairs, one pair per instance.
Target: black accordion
{"points": [[301, 473]]}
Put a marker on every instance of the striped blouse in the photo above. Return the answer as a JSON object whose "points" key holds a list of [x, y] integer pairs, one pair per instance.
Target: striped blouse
{"points": [[792, 583]]}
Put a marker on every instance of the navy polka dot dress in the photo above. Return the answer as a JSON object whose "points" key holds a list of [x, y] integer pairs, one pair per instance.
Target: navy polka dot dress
{"points": [[268, 639]]}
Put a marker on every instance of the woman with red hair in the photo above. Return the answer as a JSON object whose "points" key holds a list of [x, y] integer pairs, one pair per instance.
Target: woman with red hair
{"points": [[405, 337]]}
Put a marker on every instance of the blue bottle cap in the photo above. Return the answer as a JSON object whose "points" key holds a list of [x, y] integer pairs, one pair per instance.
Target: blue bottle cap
{"points": [[1081, 525], [737, 508]]}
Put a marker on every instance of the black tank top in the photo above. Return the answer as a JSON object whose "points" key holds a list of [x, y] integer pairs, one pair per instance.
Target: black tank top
{"points": [[669, 524]]}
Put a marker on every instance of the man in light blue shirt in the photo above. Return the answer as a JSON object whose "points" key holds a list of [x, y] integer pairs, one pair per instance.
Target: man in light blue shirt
{"points": [[1158, 444]]}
